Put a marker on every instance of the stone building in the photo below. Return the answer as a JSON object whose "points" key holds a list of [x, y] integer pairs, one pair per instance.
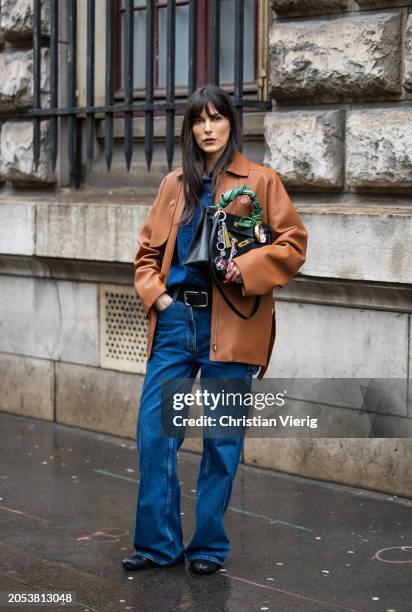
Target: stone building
{"points": [[339, 133]]}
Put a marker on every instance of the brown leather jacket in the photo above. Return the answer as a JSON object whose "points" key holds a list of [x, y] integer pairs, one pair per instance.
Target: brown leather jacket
{"points": [[231, 337]]}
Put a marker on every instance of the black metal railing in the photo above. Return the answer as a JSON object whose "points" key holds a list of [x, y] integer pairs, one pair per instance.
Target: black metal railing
{"points": [[77, 116]]}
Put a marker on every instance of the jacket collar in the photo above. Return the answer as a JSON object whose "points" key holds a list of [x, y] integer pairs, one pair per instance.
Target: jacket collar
{"points": [[239, 165]]}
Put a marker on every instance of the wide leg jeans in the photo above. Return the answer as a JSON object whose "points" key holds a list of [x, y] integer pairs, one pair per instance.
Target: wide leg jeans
{"points": [[180, 349]]}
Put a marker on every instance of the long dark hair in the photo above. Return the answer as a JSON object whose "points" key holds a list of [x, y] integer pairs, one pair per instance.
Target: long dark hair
{"points": [[193, 158]]}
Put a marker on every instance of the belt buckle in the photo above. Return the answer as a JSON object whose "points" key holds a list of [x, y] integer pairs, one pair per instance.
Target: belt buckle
{"points": [[195, 293]]}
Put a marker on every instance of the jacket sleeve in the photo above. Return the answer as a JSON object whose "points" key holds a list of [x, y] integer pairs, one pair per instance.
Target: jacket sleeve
{"points": [[148, 261], [275, 264]]}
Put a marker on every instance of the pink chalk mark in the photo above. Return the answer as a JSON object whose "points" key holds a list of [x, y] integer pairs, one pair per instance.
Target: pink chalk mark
{"points": [[107, 533], [271, 588], [14, 511]]}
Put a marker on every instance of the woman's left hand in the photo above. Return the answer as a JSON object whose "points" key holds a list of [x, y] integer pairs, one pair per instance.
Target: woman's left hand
{"points": [[233, 274]]}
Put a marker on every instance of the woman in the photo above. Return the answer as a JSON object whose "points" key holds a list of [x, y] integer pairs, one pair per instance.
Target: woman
{"points": [[192, 328]]}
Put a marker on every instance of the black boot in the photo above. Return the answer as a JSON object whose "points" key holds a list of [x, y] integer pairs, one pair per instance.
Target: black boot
{"points": [[204, 566]]}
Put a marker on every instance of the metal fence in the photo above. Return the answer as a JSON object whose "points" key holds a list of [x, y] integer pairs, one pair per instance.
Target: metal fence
{"points": [[129, 107]]}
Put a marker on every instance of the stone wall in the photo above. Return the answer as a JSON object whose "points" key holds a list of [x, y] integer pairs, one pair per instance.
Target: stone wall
{"points": [[16, 96], [341, 83], [339, 135]]}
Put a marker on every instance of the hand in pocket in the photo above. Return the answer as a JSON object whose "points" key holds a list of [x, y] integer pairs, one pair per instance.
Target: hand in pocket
{"points": [[166, 307]]}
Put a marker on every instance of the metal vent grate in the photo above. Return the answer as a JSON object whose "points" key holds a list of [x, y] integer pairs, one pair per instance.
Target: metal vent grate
{"points": [[123, 330]]}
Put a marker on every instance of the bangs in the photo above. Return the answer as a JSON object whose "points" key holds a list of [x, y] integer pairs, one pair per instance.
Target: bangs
{"points": [[202, 101]]}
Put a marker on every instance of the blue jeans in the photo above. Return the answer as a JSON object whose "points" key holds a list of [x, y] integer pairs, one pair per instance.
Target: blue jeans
{"points": [[180, 348]]}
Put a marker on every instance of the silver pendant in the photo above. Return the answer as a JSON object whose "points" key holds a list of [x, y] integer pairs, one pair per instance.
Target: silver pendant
{"points": [[259, 233]]}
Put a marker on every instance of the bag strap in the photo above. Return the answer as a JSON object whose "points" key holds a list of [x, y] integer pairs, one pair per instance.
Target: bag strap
{"points": [[213, 272]]}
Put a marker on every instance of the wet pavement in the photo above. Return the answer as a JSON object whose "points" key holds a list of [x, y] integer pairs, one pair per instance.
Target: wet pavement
{"points": [[67, 503]]}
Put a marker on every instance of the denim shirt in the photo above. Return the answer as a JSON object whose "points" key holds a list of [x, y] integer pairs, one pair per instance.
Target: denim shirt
{"points": [[179, 273]]}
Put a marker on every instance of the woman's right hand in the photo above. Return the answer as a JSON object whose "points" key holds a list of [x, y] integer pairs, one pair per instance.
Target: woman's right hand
{"points": [[163, 301]]}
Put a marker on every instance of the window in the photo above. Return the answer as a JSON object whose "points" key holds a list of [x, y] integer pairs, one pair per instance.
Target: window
{"points": [[93, 77], [227, 50]]}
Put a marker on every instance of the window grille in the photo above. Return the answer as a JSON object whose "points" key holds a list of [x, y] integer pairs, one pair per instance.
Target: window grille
{"points": [[129, 107]]}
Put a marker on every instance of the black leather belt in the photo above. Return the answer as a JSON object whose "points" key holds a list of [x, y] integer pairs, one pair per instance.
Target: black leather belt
{"points": [[198, 297]]}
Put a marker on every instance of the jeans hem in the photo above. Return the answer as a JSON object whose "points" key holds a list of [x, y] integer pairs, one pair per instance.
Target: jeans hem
{"points": [[206, 557], [152, 558]]}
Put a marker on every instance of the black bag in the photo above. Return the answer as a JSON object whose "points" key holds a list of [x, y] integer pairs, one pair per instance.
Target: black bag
{"points": [[221, 236], [198, 253]]}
